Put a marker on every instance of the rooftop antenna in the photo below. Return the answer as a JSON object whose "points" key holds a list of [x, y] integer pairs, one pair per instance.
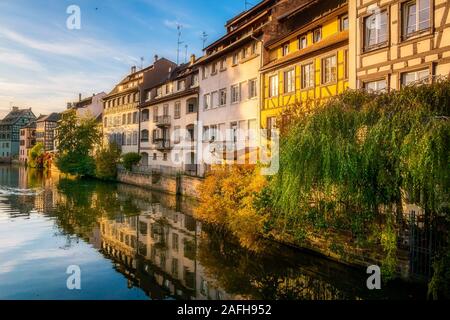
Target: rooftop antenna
{"points": [[204, 38], [142, 63], [179, 42], [185, 53]]}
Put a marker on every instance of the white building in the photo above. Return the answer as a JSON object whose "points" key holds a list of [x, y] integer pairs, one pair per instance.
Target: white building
{"points": [[121, 112], [229, 88], [89, 107], [168, 117]]}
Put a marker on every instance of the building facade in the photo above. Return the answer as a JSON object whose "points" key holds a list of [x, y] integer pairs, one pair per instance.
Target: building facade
{"points": [[46, 131], [27, 141], [399, 42], [10, 131], [306, 60], [169, 113], [88, 107], [121, 116], [229, 87]]}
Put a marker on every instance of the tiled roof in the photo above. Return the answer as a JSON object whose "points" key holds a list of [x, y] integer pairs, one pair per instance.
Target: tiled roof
{"points": [[14, 115]]}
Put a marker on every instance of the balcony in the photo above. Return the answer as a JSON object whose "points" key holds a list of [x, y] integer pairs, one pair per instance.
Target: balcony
{"points": [[162, 144], [162, 121]]}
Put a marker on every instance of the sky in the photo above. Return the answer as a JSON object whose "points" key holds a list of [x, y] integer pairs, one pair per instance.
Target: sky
{"points": [[44, 64]]}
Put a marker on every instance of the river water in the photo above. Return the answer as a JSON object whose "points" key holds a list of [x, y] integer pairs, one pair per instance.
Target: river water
{"points": [[130, 243]]}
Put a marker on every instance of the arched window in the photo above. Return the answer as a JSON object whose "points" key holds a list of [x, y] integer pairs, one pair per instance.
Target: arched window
{"points": [[144, 159], [144, 135], [135, 138]]}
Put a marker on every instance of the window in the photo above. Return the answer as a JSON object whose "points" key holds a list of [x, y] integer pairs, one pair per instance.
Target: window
{"points": [[254, 48], [176, 134], [244, 53], [144, 135], [154, 156], [223, 64], [214, 99], [317, 35], [376, 86], [165, 109], [191, 105], [194, 80], [214, 68], [235, 93], [308, 75], [329, 70], [222, 97], [289, 81], [273, 86], [159, 92], [165, 156], [285, 49], [180, 85], [416, 17], [415, 77], [205, 72], [129, 118], [155, 114], [135, 138], [145, 115], [177, 113], [135, 117], [302, 42], [344, 23], [375, 30], [235, 58], [207, 101], [252, 88]]}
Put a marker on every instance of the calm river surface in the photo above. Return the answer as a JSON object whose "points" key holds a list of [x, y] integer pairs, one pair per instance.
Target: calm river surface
{"points": [[130, 243]]}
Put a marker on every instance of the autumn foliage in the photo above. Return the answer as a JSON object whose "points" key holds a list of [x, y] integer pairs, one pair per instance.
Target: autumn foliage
{"points": [[227, 201]]}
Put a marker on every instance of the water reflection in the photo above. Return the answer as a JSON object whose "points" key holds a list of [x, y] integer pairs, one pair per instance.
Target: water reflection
{"points": [[139, 244]]}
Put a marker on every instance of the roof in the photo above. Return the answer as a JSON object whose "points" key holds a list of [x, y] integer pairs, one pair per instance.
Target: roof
{"points": [[52, 117], [15, 114], [31, 125], [150, 78], [246, 13]]}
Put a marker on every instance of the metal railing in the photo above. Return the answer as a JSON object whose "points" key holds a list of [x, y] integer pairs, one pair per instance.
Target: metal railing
{"points": [[162, 120]]}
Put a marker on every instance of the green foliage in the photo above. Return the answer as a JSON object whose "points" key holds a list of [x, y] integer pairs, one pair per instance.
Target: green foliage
{"points": [[106, 161], [77, 138], [130, 159], [348, 161]]}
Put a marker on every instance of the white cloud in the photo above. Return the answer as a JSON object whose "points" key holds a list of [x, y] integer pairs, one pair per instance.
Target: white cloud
{"points": [[173, 24], [19, 60]]}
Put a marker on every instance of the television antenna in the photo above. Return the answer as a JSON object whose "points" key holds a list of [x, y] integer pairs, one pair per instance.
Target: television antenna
{"points": [[179, 42], [204, 38], [185, 53]]}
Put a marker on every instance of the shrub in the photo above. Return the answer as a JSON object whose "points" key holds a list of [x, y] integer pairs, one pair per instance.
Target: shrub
{"points": [[130, 159], [106, 161]]}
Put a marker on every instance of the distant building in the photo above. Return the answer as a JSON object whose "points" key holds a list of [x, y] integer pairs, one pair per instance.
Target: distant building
{"points": [[10, 131], [45, 130], [121, 105], [88, 107], [27, 141], [169, 112]]}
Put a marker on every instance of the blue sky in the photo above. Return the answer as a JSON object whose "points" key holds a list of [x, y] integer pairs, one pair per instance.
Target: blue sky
{"points": [[44, 65]]}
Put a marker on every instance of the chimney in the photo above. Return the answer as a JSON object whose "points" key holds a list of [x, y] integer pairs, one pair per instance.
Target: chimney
{"points": [[192, 59], [156, 57], [69, 105], [15, 108], [133, 69], [79, 97]]}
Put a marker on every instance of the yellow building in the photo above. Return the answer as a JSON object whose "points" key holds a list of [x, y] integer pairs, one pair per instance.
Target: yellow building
{"points": [[399, 42], [307, 62]]}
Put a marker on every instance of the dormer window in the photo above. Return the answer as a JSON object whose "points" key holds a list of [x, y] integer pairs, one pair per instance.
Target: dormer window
{"points": [[317, 35], [285, 49]]}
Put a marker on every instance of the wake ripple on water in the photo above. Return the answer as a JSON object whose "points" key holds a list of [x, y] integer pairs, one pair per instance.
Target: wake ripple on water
{"points": [[6, 191]]}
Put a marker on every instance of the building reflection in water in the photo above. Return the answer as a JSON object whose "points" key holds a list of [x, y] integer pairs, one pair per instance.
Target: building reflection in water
{"points": [[163, 251]]}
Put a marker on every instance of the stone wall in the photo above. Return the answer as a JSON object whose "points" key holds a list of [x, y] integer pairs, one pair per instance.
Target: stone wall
{"points": [[183, 185]]}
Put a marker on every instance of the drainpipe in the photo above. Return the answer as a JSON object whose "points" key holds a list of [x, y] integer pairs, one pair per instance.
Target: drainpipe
{"points": [[261, 88], [139, 123]]}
